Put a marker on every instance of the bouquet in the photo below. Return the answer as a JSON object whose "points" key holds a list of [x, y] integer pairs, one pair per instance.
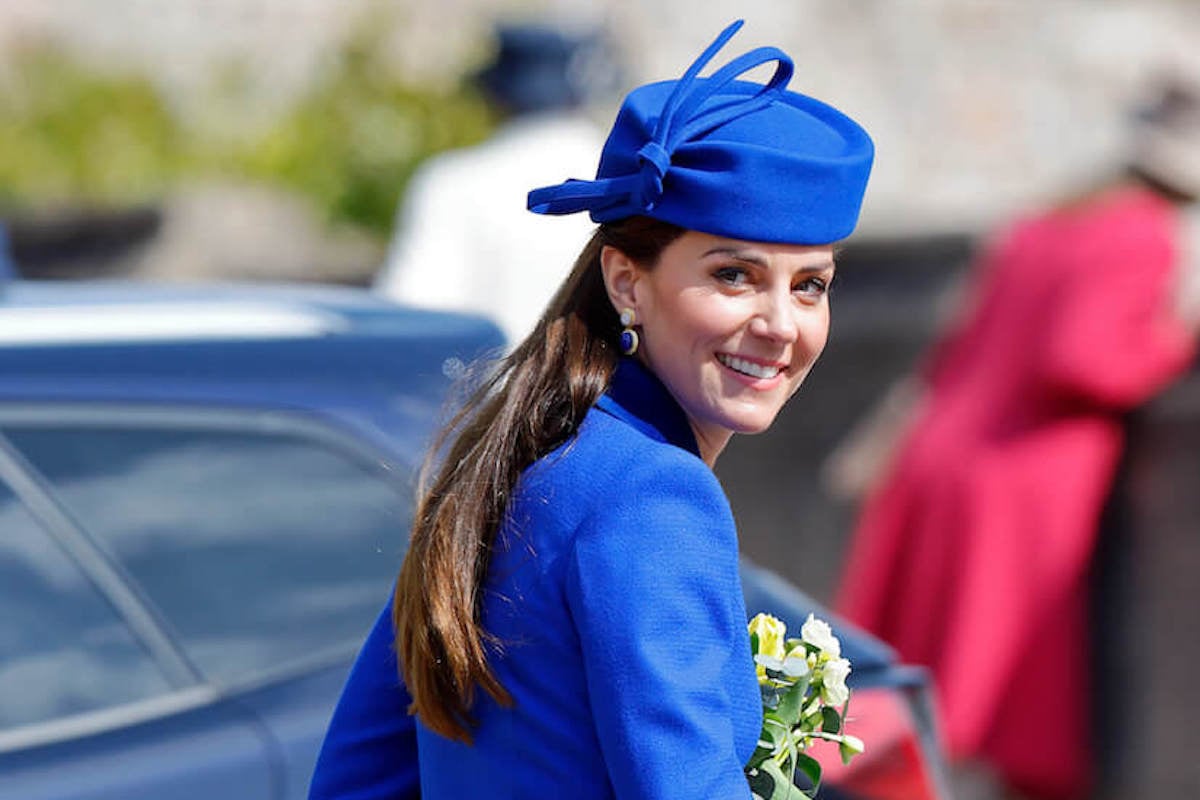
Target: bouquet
{"points": [[805, 697]]}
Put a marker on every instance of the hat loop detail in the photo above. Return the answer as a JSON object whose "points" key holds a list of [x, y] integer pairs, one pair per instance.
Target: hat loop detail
{"points": [[655, 162], [652, 154], [679, 123]]}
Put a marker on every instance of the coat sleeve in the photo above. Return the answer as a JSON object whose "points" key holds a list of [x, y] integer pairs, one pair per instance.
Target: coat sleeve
{"points": [[370, 749], [654, 591]]}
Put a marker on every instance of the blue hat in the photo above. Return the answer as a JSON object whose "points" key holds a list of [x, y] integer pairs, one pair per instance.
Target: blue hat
{"points": [[727, 157]]}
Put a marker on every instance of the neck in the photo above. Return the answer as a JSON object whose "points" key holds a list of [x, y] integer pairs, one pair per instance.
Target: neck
{"points": [[710, 443]]}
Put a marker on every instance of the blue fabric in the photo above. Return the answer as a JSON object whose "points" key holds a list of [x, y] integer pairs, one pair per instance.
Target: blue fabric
{"points": [[727, 157], [614, 585], [370, 749]]}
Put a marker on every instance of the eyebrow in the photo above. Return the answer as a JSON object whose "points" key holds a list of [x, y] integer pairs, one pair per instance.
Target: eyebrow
{"points": [[751, 257]]}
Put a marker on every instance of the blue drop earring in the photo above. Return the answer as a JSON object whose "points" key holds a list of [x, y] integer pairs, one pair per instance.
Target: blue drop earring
{"points": [[629, 337]]}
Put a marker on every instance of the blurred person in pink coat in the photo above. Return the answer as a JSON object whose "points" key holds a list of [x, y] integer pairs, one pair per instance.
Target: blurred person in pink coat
{"points": [[971, 554]]}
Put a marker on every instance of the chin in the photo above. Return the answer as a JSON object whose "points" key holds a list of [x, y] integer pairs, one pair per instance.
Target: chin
{"points": [[749, 426]]}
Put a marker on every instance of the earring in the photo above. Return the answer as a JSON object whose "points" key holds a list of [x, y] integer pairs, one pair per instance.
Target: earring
{"points": [[629, 337]]}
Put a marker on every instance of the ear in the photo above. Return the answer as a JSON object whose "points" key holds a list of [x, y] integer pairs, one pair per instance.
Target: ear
{"points": [[621, 276]]}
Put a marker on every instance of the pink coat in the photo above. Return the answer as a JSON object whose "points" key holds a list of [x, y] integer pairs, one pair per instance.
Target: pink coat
{"points": [[971, 556]]}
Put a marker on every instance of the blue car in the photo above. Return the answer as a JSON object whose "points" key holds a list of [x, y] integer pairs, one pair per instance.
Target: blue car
{"points": [[204, 494]]}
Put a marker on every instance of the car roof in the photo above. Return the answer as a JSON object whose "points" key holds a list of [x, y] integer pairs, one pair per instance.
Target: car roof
{"points": [[338, 307], [59, 337]]}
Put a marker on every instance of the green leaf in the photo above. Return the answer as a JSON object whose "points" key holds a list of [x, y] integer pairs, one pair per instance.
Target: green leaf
{"points": [[790, 764], [772, 720], [831, 721], [761, 754], [789, 706], [781, 788], [811, 769], [773, 734], [761, 784], [754, 643], [804, 684], [847, 751]]}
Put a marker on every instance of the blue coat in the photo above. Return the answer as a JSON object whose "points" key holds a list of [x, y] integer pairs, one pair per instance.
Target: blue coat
{"points": [[614, 586]]}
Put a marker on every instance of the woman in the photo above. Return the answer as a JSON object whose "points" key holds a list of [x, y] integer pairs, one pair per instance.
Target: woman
{"points": [[569, 614], [972, 555]]}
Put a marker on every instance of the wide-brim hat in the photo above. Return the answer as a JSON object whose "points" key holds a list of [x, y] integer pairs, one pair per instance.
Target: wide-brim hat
{"points": [[727, 157]]}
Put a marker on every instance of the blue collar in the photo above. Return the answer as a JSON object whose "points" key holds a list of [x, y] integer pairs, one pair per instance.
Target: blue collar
{"points": [[637, 397]]}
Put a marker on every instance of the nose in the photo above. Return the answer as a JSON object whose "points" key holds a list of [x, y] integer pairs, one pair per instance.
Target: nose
{"points": [[776, 318]]}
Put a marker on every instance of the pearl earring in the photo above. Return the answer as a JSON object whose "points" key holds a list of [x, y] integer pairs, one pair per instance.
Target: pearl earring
{"points": [[629, 337]]}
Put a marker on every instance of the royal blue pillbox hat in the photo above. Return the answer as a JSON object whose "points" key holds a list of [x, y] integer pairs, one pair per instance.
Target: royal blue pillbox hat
{"points": [[727, 157]]}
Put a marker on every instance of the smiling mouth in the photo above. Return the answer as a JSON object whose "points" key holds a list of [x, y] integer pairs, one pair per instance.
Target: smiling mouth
{"points": [[748, 368]]}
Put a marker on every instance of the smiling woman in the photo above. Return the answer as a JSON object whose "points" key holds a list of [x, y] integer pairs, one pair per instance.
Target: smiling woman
{"points": [[731, 328], [572, 530]]}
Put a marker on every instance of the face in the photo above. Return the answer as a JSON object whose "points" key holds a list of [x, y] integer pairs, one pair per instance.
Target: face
{"points": [[730, 327]]}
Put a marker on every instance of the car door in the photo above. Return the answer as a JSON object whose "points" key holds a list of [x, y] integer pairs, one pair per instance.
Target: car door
{"points": [[90, 708], [264, 542]]}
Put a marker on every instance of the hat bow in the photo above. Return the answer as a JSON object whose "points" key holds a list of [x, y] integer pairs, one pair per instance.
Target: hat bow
{"points": [[681, 121]]}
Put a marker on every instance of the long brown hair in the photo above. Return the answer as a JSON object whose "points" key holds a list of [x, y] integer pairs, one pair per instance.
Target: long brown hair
{"points": [[533, 401]]}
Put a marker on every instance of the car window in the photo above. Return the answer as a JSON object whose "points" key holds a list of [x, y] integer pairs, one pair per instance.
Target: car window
{"points": [[258, 548], [63, 649]]}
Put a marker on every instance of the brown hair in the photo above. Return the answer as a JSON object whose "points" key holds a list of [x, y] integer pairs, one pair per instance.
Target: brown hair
{"points": [[532, 402]]}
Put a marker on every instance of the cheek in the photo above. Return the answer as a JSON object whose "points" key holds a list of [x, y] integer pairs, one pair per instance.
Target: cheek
{"points": [[814, 335], [696, 322], [820, 336]]}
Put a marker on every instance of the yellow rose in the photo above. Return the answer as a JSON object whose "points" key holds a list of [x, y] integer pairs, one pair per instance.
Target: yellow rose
{"points": [[771, 633]]}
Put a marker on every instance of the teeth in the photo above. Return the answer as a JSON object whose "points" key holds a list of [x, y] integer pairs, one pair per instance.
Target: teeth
{"points": [[747, 367]]}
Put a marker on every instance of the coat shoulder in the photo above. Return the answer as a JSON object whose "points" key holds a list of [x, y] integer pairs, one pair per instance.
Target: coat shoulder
{"points": [[608, 458]]}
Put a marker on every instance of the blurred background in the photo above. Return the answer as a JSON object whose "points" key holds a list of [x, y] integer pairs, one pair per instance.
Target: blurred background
{"points": [[274, 140], [318, 111]]}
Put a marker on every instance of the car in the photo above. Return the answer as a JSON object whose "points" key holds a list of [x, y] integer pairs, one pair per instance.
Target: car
{"points": [[204, 497]]}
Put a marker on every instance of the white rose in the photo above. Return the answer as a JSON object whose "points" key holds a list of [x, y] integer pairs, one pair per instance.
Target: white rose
{"points": [[818, 633], [833, 682]]}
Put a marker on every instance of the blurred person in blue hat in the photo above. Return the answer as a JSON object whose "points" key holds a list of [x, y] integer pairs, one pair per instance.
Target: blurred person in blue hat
{"points": [[974, 544], [462, 237], [569, 617]]}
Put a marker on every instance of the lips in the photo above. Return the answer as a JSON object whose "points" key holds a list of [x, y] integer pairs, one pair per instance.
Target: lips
{"points": [[752, 369]]}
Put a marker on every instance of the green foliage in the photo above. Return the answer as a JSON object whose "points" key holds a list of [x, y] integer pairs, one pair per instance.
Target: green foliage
{"points": [[354, 140], [70, 135], [66, 132]]}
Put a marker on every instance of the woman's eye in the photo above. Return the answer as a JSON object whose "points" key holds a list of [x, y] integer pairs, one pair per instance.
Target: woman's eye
{"points": [[812, 287], [731, 276]]}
